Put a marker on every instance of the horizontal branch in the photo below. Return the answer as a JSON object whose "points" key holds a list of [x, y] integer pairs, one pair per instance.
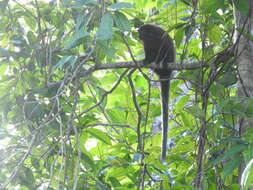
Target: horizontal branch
{"points": [[131, 64], [137, 64]]}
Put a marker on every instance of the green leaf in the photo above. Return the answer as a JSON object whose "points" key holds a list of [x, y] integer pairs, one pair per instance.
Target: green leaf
{"points": [[87, 159], [186, 119], [82, 20], [105, 29], [100, 185], [99, 135], [181, 103], [116, 115], [31, 37], [117, 171], [114, 182], [234, 149], [242, 5], [214, 33], [76, 39], [165, 181], [34, 111], [227, 79], [30, 21], [121, 21], [29, 177], [211, 6], [81, 3], [231, 165], [196, 111], [104, 50], [121, 5], [66, 59], [230, 153], [179, 36], [232, 139]]}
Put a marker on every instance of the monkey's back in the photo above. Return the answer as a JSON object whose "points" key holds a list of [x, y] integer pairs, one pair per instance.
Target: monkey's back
{"points": [[158, 47]]}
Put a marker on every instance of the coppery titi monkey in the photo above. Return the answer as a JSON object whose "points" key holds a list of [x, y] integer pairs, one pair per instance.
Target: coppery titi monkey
{"points": [[159, 48]]}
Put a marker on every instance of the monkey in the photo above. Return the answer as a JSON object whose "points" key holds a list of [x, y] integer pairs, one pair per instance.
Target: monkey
{"points": [[159, 48]]}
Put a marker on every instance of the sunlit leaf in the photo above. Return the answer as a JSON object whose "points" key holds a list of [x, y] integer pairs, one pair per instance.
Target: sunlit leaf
{"points": [[99, 135], [211, 6]]}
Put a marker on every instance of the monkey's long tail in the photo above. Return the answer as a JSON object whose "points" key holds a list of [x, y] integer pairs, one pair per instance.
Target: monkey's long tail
{"points": [[164, 88]]}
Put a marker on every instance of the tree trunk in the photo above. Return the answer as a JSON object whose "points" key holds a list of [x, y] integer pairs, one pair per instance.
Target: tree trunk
{"points": [[244, 54]]}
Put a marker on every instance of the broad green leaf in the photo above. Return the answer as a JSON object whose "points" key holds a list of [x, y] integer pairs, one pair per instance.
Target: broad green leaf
{"points": [[232, 139], [116, 116], [99, 135], [30, 21], [34, 111], [214, 33], [121, 21], [64, 60], [182, 102], [211, 6], [227, 79], [121, 5], [82, 21], [87, 159], [179, 36], [81, 3], [165, 181], [114, 182], [196, 111], [185, 118], [152, 158], [242, 5], [31, 37], [3, 68], [234, 149], [140, 3], [103, 51], [231, 165], [118, 171], [29, 177], [23, 187], [76, 39], [247, 137], [105, 29], [100, 185]]}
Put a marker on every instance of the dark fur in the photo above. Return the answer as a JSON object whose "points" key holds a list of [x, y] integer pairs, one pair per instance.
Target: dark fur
{"points": [[159, 48]]}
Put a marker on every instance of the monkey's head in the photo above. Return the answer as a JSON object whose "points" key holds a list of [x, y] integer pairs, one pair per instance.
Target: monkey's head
{"points": [[157, 44], [149, 32]]}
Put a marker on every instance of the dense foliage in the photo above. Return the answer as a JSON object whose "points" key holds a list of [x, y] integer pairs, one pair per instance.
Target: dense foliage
{"points": [[68, 124]]}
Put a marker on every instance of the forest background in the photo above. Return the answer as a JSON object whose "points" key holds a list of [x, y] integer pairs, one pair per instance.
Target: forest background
{"points": [[79, 110]]}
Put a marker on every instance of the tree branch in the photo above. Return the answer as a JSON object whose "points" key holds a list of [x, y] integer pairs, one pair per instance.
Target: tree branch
{"points": [[132, 64]]}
